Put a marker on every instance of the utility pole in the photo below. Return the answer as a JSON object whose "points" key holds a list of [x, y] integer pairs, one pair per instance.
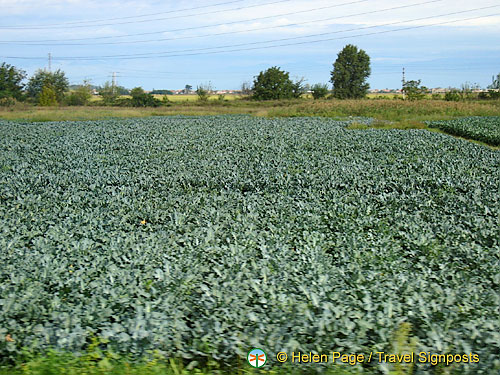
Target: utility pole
{"points": [[50, 62], [113, 82], [404, 81]]}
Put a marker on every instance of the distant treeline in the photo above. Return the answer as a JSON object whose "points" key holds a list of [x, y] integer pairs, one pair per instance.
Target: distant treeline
{"points": [[348, 80], [162, 92]]}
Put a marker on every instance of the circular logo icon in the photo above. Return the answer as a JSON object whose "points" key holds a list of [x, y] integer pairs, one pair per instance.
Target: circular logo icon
{"points": [[257, 358]]}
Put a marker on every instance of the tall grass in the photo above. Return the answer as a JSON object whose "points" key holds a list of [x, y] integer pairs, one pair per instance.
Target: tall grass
{"points": [[403, 112], [392, 110]]}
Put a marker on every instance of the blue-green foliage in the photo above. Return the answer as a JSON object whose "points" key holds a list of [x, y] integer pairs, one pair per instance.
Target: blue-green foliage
{"points": [[485, 129], [204, 237]]}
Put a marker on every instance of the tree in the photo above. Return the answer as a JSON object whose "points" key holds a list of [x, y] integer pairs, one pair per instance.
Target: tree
{"points": [[162, 92], [142, 99], [120, 90], [495, 84], [11, 79], [298, 88], [414, 91], [319, 90], [137, 92], [108, 93], [187, 89], [276, 84], [47, 97], [452, 95], [57, 81], [203, 91], [349, 74], [246, 88], [467, 90], [81, 95]]}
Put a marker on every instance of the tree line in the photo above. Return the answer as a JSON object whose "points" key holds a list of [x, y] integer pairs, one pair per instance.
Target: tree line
{"points": [[348, 78]]}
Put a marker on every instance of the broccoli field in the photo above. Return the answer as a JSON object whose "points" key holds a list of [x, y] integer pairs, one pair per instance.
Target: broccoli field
{"points": [[205, 237], [485, 129]]}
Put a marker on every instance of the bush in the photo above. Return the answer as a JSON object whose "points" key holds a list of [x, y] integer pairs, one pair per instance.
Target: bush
{"points": [[203, 91], [491, 94], [494, 94], [8, 102], [108, 93], [80, 96], [165, 101], [319, 90], [452, 96], [47, 97], [141, 99], [276, 84], [414, 91]]}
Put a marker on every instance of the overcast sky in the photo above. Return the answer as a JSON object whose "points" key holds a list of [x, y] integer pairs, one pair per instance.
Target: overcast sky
{"points": [[168, 44]]}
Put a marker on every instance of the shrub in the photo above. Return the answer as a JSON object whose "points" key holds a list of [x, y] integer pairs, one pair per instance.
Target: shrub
{"points": [[276, 84], [47, 97], [319, 90], [108, 93], [8, 102], [452, 96], [414, 91], [80, 96], [203, 91], [142, 99]]}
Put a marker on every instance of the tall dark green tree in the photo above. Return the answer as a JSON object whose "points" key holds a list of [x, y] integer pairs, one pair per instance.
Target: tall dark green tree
{"points": [[11, 82], [275, 84], [495, 83], [349, 74], [57, 81]]}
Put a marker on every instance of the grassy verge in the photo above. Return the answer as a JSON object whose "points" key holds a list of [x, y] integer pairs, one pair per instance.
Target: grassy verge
{"points": [[97, 363], [402, 112]]}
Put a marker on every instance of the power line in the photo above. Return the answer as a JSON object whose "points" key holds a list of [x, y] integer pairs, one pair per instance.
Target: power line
{"points": [[129, 17], [376, 72], [170, 54], [193, 27], [137, 73], [142, 21], [239, 31], [285, 39], [320, 40]]}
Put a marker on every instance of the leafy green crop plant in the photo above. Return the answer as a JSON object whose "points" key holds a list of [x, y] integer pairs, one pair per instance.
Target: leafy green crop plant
{"points": [[199, 238]]}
